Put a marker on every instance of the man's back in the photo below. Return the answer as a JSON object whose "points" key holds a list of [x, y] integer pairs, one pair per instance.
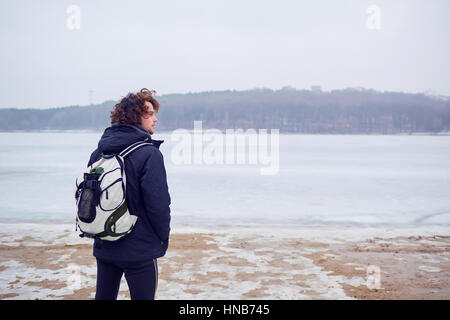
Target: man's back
{"points": [[147, 196]]}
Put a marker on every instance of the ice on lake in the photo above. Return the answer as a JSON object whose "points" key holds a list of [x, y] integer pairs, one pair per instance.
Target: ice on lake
{"points": [[370, 179]]}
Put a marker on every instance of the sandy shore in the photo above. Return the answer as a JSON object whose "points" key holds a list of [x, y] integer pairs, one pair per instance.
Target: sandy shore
{"points": [[241, 262]]}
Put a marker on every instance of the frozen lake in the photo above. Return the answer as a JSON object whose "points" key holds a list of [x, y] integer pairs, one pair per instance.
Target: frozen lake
{"points": [[351, 179]]}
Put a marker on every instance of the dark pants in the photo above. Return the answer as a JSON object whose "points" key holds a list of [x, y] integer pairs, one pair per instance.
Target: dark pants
{"points": [[141, 276]]}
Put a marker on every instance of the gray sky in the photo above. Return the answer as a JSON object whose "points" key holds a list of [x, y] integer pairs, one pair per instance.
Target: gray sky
{"points": [[199, 45]]}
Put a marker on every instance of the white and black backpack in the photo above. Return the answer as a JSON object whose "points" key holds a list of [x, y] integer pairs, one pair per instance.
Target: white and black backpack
{"points": [[100, 197]]}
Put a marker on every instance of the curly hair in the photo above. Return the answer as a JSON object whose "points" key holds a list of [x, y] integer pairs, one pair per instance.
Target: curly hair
{"points": [[130, 109]]}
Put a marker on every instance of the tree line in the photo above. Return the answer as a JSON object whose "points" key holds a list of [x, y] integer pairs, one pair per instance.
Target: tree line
{"points": [[289, 110]]}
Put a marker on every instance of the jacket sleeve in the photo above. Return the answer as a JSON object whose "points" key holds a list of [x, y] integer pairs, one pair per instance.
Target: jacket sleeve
{"points": [[155, 194]]}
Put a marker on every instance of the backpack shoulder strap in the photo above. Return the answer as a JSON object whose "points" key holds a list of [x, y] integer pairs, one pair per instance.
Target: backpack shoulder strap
{"points": [[134, 147]]}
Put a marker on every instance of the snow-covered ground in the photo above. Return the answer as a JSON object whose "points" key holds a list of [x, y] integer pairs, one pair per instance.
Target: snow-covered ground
{"points": [[237, 262]]}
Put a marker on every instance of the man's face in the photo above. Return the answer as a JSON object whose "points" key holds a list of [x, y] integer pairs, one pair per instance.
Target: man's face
{"points": [[148, 120]]}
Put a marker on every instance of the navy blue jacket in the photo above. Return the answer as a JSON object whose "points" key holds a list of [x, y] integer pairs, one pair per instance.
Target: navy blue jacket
{"points": [[147, 196]]}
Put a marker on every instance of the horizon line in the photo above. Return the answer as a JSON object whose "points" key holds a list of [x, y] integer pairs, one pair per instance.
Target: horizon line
{"points": [[429, 93]]}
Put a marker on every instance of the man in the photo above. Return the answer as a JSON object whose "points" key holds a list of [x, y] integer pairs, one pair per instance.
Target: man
{"points": [[147, 196]]}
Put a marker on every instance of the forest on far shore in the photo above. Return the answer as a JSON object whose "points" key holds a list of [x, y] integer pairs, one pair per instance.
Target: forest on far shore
{"points": [[289, 110]]}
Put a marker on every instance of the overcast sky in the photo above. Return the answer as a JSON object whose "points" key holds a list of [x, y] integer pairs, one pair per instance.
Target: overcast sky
{"points": [[51, 56]]}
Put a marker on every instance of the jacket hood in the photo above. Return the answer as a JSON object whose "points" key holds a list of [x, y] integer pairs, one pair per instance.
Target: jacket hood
{"points": [[119, 136]]}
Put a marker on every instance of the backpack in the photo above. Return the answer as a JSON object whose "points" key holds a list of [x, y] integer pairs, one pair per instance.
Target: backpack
{"points": [[100, 193]]}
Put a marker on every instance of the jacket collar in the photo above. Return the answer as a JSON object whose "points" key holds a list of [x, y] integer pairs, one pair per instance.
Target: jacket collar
{"points": [[119, 136], [154, 142]]}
